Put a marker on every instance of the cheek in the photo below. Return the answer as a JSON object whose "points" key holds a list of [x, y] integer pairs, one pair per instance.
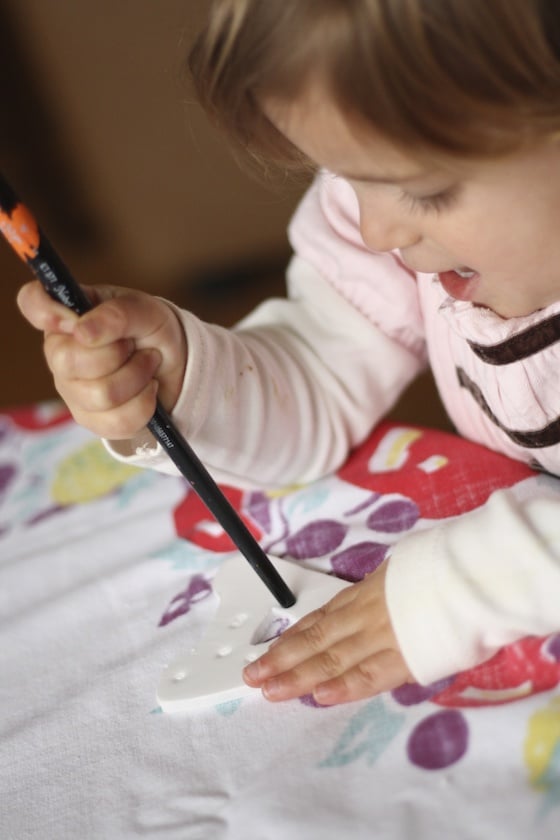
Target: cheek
{"points": [[368, 206], [373, 216], [471, 237]]}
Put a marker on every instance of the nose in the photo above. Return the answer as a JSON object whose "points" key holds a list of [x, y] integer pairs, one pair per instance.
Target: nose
{"points": [[384, 226]]}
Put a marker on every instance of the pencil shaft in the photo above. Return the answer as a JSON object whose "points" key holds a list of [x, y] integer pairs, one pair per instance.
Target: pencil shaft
{"points": [[188, 463]]}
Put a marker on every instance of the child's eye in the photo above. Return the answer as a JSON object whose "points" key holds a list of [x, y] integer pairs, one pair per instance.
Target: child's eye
{"points": [[436, 202]]}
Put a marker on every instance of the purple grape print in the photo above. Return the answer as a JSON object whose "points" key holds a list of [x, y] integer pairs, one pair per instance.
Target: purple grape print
{"points": [[197, 589], [394, 516], [356, 562], [271, 627], [373, 497], [552, 647], [439, 740], [46, 514], [410, 694], [309, 700], [4, 429], [258, 508], [316, 539], [7, 474]]}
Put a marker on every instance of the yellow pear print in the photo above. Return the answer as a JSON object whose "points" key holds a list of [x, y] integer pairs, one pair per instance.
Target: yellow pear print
{"points": [[88, 473], [542, 742]]}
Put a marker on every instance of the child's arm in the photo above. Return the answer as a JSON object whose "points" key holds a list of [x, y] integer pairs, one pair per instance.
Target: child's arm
{"points": [[281, 399], [447, 599], [284, 397]]}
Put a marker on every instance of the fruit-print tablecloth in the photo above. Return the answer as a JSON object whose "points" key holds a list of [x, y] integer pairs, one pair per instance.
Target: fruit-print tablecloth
{"points": [[106, 575]]}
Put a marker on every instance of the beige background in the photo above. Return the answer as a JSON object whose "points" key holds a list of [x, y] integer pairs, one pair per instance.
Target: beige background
{"points": [[171, 198], [103, 140]]}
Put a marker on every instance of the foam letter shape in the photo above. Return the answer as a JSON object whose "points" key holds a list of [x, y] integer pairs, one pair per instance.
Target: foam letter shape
{"points": [[247, 619]]}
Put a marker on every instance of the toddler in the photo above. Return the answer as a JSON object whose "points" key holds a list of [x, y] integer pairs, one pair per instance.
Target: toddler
{"points": [[428, 236]]}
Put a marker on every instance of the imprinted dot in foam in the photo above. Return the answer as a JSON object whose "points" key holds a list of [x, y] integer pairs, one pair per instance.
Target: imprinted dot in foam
{"points": [[238, 620], [178, 676]]}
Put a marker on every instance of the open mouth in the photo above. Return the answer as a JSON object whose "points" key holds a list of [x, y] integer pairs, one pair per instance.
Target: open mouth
{"points": [[459, 283]]}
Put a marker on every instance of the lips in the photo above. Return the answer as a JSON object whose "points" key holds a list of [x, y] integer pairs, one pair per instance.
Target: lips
{"points": [[459, 284]]}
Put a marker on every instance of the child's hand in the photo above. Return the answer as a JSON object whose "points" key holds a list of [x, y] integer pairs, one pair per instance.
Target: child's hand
{"points": [[345, 651], [109, 364]]}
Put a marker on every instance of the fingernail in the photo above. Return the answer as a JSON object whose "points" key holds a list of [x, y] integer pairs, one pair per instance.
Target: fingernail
{"points": [[323, 695], [252, 672], [88, 331], [272, 689]]}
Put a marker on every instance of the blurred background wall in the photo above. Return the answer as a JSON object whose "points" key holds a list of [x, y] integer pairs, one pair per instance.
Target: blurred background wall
{"points": [[100, 135]]}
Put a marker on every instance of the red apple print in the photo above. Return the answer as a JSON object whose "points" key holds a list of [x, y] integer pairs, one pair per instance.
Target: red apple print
{"points": [[194, 522], [443, 473], [526, 667], [39, 417]]}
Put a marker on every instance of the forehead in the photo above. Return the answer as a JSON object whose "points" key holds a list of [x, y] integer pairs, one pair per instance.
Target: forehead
{"points": [[340, 142]]}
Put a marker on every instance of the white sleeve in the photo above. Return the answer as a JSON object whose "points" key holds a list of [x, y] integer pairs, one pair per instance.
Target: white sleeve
{"points": [[463, 589], [284, 397]]}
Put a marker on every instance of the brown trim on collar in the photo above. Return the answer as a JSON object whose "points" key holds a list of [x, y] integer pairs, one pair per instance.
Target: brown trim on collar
{"points": [[548, 436], [526, 343]]}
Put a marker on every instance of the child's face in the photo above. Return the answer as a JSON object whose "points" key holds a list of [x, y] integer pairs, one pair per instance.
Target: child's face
{"points": [[497, 218]]}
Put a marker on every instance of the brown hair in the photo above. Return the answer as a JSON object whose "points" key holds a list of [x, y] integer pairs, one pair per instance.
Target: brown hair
{"points": [[459, 77]]}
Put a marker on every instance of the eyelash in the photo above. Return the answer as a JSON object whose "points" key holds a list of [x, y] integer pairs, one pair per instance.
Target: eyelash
{"points": [[430, 203]]}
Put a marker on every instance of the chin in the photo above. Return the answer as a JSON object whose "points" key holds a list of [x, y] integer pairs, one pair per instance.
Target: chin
{"points": [[507, 311]]}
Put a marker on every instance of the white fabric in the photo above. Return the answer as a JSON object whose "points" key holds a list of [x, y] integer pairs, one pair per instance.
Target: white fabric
{"points": [[90, 563]]}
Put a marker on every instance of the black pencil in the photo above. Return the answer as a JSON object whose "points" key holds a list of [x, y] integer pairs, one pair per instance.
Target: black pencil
{"points": [[28, 240]]}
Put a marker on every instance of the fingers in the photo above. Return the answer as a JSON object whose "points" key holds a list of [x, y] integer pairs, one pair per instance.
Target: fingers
{"points": [[42, 312], [64, 354], [310, 673], [100, 393], [338, 672], [116, 314], [48, 315], [381, 672], [121, 422], [105, 362], [344, 651], [122, 314], [343, 673], [127, 316], [316, 633], [341, 599], [110, 389]]}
